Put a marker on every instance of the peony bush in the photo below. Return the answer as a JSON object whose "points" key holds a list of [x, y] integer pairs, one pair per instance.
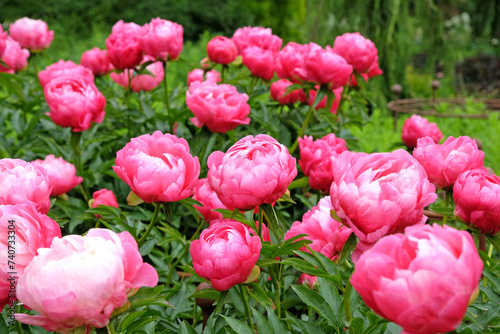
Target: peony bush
{"points": [[232, 197]]}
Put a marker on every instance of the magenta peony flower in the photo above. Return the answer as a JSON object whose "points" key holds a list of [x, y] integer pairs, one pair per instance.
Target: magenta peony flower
{"points": [[259, 61], [225, 254], [74, 102], [162, 39], [22, 182], [79, 281], [279, 89], [417, 127], [358, 51], [317, 159], [61, 174], [104, 197], [64, 68], [290, 60], [444, 163], [380, 193], [158, 167], [322, 104], [31, 34], [124, 45], [325, 67], [3, 38], [96, 60], [143, 82], [14, 56], [422, 280], [30, 231], [197, 75], [309, 280], [477, 197], [327, 234], [256, 36], [252, 172], [222, 50], [220, 107], [204, 194]]}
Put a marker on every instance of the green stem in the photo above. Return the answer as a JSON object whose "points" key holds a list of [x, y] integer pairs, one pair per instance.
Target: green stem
{"points": [[222, 72], [150, 227], [447, 201], [261, 217], [253, 82], [75, 144], [19, 327], [340, 112], [111, 330], [247, 307], [302, 129], [347, 301], [167, 102]]}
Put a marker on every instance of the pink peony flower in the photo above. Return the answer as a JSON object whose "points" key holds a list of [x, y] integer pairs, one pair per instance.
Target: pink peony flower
{"points": [[220, 107], [317, 159], [417, 127], [327, 234], [158, 167], [162, 39], [26, 230], [380, 193], [61, 174], [64, 68], [142, 82], [204, 194], [97, 60], [422, 280], [22, 182], [14, 56], [325, 67], [477, 197], [31, 34], [222, 50], [279, 89], [309, 280], [444, 163], [124, 45], [322, 104], [259, 61], [290, 60], [79, 281], [256, 36], [225, 254], [254, 171], [104, 197], [3, 38], [74, 102], [197, 75], [358, 51]]}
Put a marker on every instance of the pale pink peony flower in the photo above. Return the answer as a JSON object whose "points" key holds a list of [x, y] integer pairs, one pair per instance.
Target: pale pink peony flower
{"points": [[147, 81], [422, 280], [323, 66], [279, 93], [79, 281], [158, 167], [64, 68], [327, 234], [222, 50], [322, 104], [360, 52], [417, 127], [444, 163], [28, 231], [256, 36], [220, 107], [317, 159], [14, 56], [254, 171], [380, 193], [162, 39], [124, 45], [31, 34], [22, 182], [204, 194], [96, 60], [61, 174], [197, 75], [477, 197], [290, 60], [259, 61], [226, 253], [74, 102]]}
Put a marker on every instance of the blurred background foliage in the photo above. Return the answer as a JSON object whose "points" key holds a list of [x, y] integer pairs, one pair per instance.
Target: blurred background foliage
{"points": [[415, 38]]}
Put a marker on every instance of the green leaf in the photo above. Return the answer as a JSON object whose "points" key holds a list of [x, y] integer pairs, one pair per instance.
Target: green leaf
{"points": [[235, 295], [262, 324], [275, 221], [130, 318], [259, 294], [305, 326], [304, 266], [288, 246], [444, 211], [276, 323], [299, 183], [186, 328], [349, 246], [206, 293], [220, 302], [238, 326], [316, 301]]}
